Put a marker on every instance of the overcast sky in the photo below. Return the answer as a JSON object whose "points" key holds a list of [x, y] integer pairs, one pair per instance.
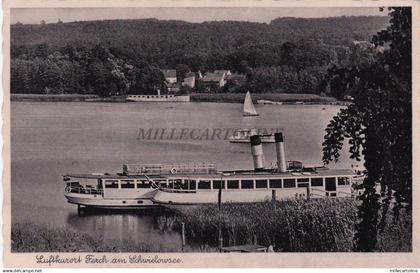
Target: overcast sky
{"points": [[255, 14]]}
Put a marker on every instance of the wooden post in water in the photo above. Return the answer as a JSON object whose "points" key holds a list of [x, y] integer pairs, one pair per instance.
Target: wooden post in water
{"points": [[220, 238], [219, 201], [273, 199], [308, 193], [183, 235]]}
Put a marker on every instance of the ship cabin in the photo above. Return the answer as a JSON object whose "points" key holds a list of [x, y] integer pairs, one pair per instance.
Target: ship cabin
{"points": [[251, 186], [329, 183], [110, 185]]}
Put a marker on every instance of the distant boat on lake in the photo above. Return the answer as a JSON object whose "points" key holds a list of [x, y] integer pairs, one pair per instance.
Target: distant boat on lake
{"points": [[269, 102], [158, 98], [249, 109], [244, 136]]}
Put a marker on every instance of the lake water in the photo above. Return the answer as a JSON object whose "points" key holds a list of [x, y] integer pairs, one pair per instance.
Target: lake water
{"points": [[53, 138]]}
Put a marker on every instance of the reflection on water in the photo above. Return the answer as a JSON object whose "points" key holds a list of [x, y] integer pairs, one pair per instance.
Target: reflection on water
{"points": [[122, 224], [52, 138]]}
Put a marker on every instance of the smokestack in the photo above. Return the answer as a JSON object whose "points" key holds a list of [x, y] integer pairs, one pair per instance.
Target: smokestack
{"points": [[281, 155], [257, 153]]}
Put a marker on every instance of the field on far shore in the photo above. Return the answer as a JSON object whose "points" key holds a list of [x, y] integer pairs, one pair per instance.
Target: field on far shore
{"points": [[195, 97]]}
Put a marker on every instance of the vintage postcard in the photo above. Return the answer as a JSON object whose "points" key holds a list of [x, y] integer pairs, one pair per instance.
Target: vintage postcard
{"points": [[210, 134]]}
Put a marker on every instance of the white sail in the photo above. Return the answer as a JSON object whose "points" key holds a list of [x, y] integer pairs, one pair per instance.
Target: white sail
{"points": [[249, 109]]}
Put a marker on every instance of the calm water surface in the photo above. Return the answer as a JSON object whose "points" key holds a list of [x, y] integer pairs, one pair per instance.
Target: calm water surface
{"points": [[53, 138]]}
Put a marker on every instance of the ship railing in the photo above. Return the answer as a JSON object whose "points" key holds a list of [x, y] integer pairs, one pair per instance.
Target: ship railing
{"points": [[346, 194], [83, 190], [323, 193], [317, 193], [177, 190]]}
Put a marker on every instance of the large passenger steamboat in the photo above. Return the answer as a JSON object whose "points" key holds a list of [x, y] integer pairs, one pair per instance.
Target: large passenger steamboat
{"points": [[174, 185]]}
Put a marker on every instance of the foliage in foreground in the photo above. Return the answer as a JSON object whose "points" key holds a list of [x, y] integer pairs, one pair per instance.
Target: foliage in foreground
{"points": [[29, 237], [378, 126], [317, 225]]}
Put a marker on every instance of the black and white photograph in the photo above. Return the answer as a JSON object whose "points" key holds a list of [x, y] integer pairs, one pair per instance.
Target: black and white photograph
{"points": [[210, 130]]}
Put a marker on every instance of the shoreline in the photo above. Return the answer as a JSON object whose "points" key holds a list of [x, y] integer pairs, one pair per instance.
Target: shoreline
{"points": [[284, 98], [294, 226]]}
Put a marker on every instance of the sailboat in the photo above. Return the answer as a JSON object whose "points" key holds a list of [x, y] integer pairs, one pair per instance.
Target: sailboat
{"points": [[249, 109]]}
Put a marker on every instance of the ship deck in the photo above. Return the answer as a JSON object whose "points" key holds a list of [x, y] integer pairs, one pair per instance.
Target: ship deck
{"points": [[223, 174]]}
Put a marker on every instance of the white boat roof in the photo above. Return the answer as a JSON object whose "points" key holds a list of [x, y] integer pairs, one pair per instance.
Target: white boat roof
{"points": [[263, 174], [225, 175], [113, 176]]}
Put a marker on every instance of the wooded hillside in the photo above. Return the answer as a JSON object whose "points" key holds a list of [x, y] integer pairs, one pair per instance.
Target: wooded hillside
{"points": [[287, 55]]}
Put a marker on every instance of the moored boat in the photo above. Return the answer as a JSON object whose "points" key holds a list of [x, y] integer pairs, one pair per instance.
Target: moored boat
{"points": [[291, 179], [131, 189], [192, 184], [244, 136], [269, 102], [158, 98]]}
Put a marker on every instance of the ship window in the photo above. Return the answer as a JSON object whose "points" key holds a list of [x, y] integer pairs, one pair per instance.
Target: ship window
{"points": [[261, 183], [233, 184], [317, 182], [343, 181], [127, 184], [330, 180], [111, 184], [204, 184], [303, 182], [171, 184], [217, 184], [143, 184], [180, 184], [275, 183], [193, 184], [289, 183], [247, 184]]}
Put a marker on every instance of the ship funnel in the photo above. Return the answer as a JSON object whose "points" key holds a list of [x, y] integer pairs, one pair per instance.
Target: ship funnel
{"points": [[281, 155], [257, 153]]}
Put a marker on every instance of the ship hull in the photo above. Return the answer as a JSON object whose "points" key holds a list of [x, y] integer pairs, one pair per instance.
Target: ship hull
{"points": [[98, 201], [179, 200], [250, 115], [247, 140]]}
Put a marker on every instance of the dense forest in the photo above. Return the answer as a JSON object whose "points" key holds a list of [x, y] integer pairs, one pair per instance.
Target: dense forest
{"points": [[288, 55]]}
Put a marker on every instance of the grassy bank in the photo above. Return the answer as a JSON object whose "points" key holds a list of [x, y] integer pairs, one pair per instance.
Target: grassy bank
{"points": [[278, 97], [195, 97], [29, 237], [289, 226], [51, 98]]}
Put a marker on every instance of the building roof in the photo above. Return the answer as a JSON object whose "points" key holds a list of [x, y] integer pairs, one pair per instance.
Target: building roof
{"points": [[212, 77], [169, 73], [222, 71], [236, 77]]}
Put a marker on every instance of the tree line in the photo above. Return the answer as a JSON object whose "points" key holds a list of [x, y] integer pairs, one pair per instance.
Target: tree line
{"points": [[125, 56]]}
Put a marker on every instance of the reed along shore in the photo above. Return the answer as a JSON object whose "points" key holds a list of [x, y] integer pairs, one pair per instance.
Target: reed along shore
{"points": [[29, 237], [316, 225]]}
